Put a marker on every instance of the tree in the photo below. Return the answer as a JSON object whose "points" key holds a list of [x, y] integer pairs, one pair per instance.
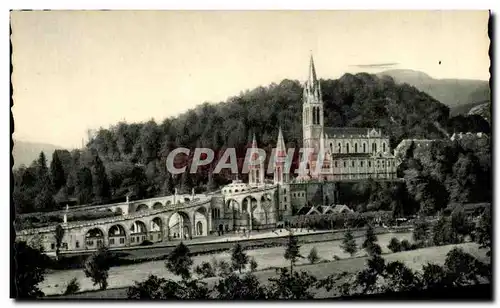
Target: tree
{"points": [[44, 200], [234, 287], [72, 287], [421, 231], [211, 185], [167, 185], [57, 172], [152, 288], [179, 261], [253, 264], [239, 258], [205, 270], [97, 266], [84, 186], [370, 244], [185, 182], [460, 225], [394, 245], [483, 231], [292, 251], [29, 269], [160, 288], [290, 285], [349, 243], [59, 235], [100, 180], [313, 256]]}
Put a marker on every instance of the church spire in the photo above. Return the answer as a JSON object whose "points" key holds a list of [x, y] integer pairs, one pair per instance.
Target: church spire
{"points": [[312, 73]]}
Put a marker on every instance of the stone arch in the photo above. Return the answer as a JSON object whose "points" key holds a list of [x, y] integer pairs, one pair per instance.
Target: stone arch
{"points": [[186, 199], [138, 232], [118, 210], [157, 206], [142, 207], [156, 229], [232, 204], [179, 226], [94, 238], [117, 236], [168, 202], [201, 221]]}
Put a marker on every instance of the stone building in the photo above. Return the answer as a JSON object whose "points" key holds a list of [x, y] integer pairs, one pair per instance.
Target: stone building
{"points": [[346, 153]]}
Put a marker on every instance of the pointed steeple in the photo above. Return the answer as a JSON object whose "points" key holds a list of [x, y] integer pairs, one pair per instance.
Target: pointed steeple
{"points": [[280, 145], [312, 73]]}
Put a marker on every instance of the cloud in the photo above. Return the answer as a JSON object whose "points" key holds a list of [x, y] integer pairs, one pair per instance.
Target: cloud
{"points": [[376, 65]]}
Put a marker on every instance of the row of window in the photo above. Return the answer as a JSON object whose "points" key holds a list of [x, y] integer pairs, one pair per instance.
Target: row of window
{"points": [[361, 163], [215, 213], [299, 194], [347, 148]]}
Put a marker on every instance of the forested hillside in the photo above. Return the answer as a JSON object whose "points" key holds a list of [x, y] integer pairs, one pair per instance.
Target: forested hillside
{"points": [[129, 158]]}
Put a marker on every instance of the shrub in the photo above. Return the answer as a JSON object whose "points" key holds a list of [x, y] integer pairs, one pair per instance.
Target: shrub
{"points": [[205, 270], [253, 264], [313, 256], [394, 245], [405, 245], [72, 287]]}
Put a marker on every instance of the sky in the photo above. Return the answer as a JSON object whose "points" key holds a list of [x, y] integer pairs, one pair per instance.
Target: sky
{"points": [[80, 70]]}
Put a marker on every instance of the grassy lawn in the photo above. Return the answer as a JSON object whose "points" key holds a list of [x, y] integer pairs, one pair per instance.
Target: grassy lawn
{"points": [[274, 257]]}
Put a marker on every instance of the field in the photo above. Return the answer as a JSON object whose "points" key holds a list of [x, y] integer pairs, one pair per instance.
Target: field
{"points": [[414, 259], [123, 276]]}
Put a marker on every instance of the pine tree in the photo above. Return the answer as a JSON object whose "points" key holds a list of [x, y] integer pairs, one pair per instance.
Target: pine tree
{"points": [[166, 189], [44, 200], [185, 183], [292, 251], [83, 186], [57, 172], [349, 243], [239, 258], [97, 266], [179, 261], [313, 256], [370, 244], [100, 180], [211, 185]]}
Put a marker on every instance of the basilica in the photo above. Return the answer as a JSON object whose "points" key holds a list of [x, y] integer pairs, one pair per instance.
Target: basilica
{"points": [[344, 153]]}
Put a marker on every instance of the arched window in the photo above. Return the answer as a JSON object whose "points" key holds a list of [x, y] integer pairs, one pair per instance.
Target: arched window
{"points": [[361, 163], [352, 163], [383, 147], [370, 164], [345, 164], [339, 148], [374, 147], [318, 117], [336, 164], [364, 147], [356, 147]]}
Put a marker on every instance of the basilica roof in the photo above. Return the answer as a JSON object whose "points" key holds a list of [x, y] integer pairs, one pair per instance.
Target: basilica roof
{"points": [[346, 131]]}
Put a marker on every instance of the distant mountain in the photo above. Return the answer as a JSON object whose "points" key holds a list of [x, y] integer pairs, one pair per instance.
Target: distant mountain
{"points": [[25, 153], [454, 93]]}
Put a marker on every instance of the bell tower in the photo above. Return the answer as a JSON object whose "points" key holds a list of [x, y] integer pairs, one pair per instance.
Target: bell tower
{"points": [[312, 112]]}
